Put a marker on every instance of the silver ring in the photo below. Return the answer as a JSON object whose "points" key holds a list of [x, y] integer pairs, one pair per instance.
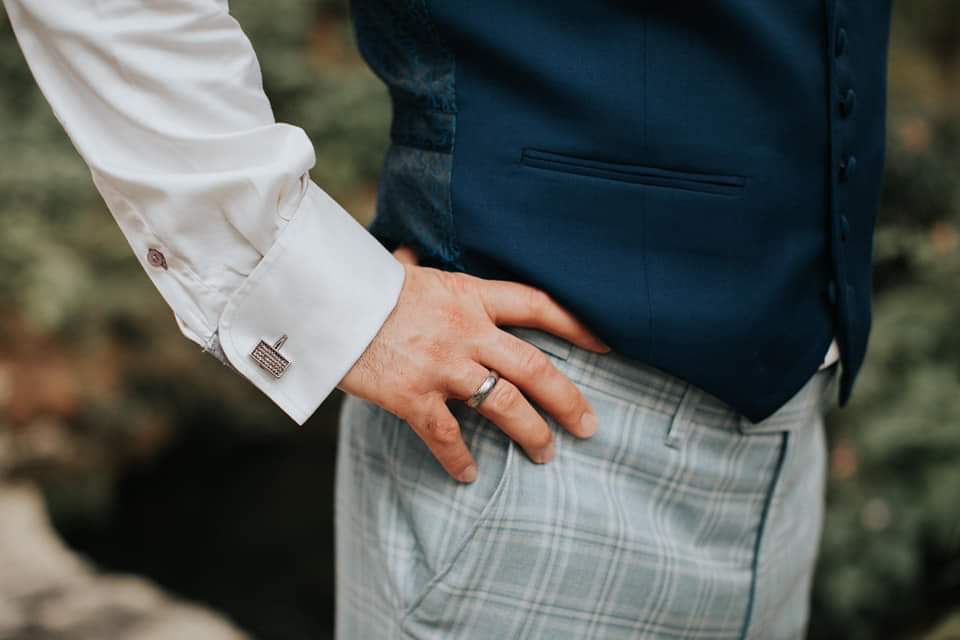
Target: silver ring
{"points": [[484, 389]]}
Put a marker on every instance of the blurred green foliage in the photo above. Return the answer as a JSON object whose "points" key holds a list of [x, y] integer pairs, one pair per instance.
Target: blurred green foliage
{"points": [[94, 374], [890, 561]]}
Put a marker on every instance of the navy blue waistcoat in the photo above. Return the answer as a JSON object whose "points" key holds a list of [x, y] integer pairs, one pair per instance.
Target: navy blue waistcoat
{"points": [[698, 182]]}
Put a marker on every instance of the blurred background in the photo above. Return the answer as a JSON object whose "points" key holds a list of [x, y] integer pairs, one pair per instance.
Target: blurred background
{"points": [[147, 492]]}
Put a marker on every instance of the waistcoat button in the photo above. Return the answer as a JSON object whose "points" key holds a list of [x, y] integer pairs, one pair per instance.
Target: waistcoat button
{"points": [[832, 292], [847, 101], [841, 43], [844, 227], [848, 167]]}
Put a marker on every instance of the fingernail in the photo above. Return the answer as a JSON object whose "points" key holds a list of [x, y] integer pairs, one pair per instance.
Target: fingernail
{"points": [[469, 474], [588, 422], [546, 455], [604, 346]]}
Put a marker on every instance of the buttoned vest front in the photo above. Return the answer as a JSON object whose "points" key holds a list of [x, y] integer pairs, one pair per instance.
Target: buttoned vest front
{"points": [[696, 182]]}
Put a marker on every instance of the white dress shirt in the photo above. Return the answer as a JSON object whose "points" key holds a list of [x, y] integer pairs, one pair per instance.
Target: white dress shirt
{"points": [[832, 355], [164, 101]]}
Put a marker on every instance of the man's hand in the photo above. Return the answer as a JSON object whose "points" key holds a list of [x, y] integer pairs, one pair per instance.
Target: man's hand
{"points": [[440, 340]]}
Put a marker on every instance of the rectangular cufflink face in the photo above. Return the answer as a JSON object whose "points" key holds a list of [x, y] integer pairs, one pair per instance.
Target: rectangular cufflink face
{"points": [[269, 359]]}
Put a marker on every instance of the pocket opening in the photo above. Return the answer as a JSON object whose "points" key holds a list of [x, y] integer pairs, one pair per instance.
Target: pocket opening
{"points": [[713, 183], [461, 547]]}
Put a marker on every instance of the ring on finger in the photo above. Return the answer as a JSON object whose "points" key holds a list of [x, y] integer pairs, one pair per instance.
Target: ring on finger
{"points": [[484, 389]]}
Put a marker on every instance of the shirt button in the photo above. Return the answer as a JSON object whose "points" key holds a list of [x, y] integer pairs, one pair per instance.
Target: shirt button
{"points": [[847, 102], [156, 258], [841, 43], [848, 167], [844, 227]]}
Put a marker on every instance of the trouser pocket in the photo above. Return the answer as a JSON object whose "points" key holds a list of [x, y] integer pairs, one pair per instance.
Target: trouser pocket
{"points": [[402, 519]]}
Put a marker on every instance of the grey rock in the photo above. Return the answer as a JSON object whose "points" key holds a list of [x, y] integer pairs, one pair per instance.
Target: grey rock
{"points": [[48, 592]]}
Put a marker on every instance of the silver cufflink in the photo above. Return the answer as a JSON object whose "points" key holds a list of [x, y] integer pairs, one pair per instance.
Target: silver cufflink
{"points": [[269, 357]]}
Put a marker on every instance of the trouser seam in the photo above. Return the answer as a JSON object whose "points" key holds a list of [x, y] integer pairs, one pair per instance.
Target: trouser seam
{"points": [[764, 517]]}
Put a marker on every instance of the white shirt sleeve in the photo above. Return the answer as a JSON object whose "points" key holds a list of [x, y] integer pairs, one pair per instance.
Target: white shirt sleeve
{"points": [[164, 101]]}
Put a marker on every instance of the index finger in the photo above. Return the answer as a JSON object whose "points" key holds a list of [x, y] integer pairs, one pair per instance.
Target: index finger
{"points": [[523, 305]]}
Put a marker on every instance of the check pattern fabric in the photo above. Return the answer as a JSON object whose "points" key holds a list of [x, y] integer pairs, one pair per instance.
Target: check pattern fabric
{"points": [[678, 519]]}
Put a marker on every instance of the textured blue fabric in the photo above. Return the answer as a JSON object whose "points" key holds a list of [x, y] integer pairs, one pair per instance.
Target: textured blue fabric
{"points": [[399, 42], [680, 178]]}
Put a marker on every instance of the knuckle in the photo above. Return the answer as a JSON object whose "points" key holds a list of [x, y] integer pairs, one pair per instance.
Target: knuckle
{"points": [[537, 299], [460, 284], [462, 376], [505, 397], [534, 363], [474, 347], [442, 430]]}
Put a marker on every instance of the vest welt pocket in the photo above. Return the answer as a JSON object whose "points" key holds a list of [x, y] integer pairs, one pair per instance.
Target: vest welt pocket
{"points": [[630, 172]]}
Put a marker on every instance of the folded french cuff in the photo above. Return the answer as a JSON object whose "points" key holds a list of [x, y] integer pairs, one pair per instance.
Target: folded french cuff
{"points": [[309, 309]]}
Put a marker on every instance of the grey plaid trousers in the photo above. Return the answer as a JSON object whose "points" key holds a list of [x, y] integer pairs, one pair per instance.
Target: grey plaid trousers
{"points": [[678, 519]]}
